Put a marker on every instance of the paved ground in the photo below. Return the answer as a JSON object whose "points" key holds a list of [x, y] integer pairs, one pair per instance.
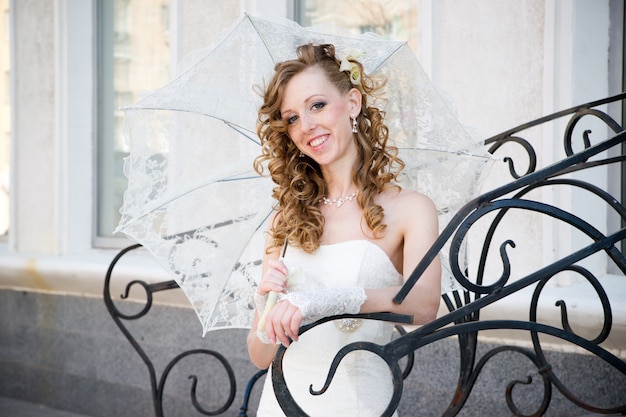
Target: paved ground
{"points": [[10, 407]]}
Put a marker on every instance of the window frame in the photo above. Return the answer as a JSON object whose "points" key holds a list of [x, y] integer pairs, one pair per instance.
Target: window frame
{"points": [[108, 161]]}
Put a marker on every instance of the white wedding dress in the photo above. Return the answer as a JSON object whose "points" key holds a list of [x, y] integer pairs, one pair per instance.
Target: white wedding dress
{"points": [[362, 385]]}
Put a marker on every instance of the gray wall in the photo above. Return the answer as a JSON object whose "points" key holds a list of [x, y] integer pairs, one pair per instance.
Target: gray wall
{"points": [[67, 353]]}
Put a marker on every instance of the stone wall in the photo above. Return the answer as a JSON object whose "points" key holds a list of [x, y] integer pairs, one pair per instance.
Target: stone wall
{"points": [[66, 352]]}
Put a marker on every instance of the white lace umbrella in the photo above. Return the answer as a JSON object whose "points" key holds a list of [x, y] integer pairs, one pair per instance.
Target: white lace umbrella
{"points": [[193, 199]]}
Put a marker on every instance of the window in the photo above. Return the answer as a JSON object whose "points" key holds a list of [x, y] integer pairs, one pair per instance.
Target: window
{"points": [[391, 19], [133, 58]]}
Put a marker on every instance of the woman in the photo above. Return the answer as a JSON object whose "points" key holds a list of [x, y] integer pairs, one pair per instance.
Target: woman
{"points": [[353, 236]]}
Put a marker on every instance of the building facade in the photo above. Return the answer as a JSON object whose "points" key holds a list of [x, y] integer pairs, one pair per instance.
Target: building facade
{"points": [[500, 63]]}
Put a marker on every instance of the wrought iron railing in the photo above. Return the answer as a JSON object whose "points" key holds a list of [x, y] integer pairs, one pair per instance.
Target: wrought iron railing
{"points": [[158, 379], [477, 291], [157, 382], [465, 305]]}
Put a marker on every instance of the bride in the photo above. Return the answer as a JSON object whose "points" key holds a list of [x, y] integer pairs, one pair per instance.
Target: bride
{"points": [[342, 238]]}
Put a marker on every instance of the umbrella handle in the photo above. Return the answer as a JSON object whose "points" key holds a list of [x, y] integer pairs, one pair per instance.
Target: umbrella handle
{"points": [[271, 301], [273, 295]]}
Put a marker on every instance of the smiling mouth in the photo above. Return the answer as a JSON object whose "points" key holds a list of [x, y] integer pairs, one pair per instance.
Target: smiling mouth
{"points": [[318, 141]]}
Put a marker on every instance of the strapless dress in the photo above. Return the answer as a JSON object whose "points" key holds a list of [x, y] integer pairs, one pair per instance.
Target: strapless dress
{"points": [[362, 385]]}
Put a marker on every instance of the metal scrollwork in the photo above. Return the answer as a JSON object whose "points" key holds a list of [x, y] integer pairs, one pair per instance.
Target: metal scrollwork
{"points": [[601, 337], [291, 407], [577, 117], [157, 385], [530, 151]]}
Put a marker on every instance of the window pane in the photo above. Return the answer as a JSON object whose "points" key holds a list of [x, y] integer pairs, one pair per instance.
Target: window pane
{"points": [[392, 19], [5, 115], [134, 58]]}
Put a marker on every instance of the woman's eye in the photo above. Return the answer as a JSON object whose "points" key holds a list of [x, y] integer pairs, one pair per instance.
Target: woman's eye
{"points": [[318, 106], [291, 120]]}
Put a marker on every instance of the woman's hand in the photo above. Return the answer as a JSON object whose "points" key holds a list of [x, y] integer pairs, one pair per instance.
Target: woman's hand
{"points": [[274, 278], [267, 293], [279, 321], [283, 323]]}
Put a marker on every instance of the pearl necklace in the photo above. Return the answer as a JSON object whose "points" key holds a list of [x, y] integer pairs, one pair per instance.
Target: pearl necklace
{"points": [[338, 201]]}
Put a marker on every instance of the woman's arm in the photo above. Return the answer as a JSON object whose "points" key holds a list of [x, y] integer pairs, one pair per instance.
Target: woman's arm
{"points": [[261, 354], [273, 278], [418, 215]]}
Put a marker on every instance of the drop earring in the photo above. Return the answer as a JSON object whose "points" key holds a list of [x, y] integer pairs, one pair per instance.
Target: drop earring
{"points": [[354, 126]]}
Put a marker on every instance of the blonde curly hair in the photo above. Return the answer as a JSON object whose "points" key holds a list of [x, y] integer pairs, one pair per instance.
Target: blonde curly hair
{"points": [[299, 182]]}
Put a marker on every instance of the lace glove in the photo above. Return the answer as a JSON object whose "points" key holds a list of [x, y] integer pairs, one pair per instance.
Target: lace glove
{"points": [[263, 304], [315, 305], [263, 337], [260, 302]]}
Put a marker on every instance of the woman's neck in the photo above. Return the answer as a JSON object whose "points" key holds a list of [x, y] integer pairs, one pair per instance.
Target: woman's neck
{"points": [[339, 182]]}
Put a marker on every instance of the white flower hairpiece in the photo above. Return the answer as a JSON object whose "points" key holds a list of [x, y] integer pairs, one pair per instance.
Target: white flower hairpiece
{"points": [[352, 67]]}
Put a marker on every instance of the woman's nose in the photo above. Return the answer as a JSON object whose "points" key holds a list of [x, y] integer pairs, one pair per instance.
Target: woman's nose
{"points": [[307, 123]]}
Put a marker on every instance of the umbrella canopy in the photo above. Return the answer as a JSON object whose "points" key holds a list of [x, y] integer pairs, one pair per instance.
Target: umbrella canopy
{"points": [[193, 199]]}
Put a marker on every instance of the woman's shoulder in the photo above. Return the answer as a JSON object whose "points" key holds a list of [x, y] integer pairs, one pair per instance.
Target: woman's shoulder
{"points": [[403, 199], [408, 213]]}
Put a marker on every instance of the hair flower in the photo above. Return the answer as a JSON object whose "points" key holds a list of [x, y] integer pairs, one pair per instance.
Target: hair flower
{"points": [[352, 67]]}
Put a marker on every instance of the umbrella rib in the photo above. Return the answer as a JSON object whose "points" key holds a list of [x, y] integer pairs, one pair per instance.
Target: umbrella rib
{"points": [[390, 55], [192, 189], [257, 32], [416, 148], [239, 256], [225, 223], [251, 177], [240, 129]]}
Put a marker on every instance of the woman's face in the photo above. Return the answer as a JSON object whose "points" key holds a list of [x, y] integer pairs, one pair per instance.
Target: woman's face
{"points": [[318, 116]]}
